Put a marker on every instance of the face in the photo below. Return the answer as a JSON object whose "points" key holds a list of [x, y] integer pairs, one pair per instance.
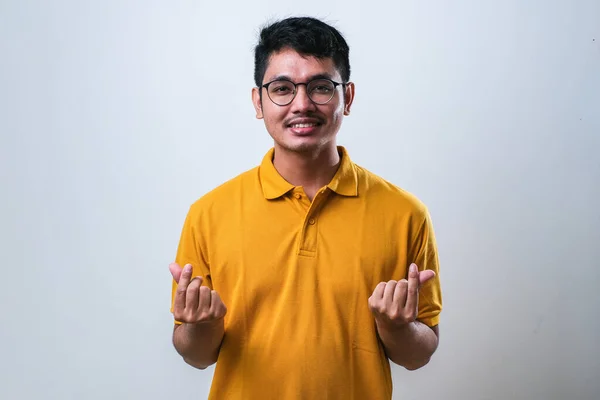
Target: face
{"points": [[302, 126]]}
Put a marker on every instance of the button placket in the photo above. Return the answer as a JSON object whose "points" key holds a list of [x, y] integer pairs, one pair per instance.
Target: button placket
{"points": [[299, 200], [308, 240]]}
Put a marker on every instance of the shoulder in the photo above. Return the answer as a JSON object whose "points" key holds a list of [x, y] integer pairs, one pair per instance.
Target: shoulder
{"points": [[392, 197], [222, 196]]}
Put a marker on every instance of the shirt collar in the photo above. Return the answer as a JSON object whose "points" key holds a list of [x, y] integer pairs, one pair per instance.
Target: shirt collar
{"points": [[344, 182]]}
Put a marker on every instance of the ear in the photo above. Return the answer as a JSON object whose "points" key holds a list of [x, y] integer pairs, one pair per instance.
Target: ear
{"points": [[348, 97], [256, 101]]}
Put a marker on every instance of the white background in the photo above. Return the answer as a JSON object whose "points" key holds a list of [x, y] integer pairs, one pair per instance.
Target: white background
{"points": [[116, 115]]}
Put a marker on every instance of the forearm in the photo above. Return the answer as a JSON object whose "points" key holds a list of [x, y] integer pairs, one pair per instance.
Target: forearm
{"points": [[199, 344], [410, 346]]}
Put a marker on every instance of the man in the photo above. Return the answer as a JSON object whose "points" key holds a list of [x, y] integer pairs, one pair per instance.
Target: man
{"points": [[304, 276]]}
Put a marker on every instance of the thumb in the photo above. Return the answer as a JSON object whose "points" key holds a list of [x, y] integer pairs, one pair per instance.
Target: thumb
{"points": [[425, 275], [175, 270]]}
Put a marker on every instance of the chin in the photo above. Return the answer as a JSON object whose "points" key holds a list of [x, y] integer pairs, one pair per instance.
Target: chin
{"points": [[302, 145]]}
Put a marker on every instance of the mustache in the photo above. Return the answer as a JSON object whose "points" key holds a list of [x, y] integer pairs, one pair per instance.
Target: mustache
{"points": [[308, 118]]}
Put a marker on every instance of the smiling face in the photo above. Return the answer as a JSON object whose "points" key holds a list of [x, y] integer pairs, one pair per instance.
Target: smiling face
{"points": [[302, 126]]}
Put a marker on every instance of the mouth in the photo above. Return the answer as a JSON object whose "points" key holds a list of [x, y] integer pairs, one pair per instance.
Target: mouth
{"points": [[304, 127], [311, 125]]}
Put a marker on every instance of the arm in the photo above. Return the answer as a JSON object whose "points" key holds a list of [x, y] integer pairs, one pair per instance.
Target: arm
{"points": [[406, 341], [407, 312], [199, 315], [411, 345], [199, 344]]}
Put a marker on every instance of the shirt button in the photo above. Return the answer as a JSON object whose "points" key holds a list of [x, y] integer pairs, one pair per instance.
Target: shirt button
{"points": [[311, 221], [298, 196]]}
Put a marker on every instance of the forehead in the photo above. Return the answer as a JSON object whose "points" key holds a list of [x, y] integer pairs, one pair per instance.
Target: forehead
{"points": [[297, 67]]}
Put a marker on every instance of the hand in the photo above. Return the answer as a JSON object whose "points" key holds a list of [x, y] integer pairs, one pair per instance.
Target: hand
{"points": [[396, 303], [194, 304]]}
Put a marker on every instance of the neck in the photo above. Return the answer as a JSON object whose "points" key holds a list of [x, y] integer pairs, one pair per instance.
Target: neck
{"points": [[311, 170]]}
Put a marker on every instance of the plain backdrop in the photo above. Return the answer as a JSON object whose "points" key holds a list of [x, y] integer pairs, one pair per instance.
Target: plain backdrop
{"points": [[116, 115]]}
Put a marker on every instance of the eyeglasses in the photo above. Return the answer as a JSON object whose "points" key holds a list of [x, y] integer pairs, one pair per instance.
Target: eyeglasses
{"points": [[320, 91]]}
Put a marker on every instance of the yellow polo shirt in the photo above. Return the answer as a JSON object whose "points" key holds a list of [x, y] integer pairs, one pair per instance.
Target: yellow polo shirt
{"points": [[296, 276]]}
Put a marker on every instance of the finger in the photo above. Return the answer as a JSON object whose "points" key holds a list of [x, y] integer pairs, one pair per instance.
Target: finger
{"points": [[182, 285], [217, 308], [378, 292], [400, 293], [175, 270], [186, 275], [412, 295], [205, 299], [413, 272], [388, 293], [192, 295], [426, 275]]}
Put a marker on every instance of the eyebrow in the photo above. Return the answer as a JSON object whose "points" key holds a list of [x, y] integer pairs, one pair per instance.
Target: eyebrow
{"points": [[310, 78]]}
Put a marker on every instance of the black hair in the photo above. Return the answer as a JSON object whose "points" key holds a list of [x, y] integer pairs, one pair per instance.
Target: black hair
{"points": [[307, 36]]}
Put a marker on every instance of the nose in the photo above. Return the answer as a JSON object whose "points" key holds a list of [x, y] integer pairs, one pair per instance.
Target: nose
{"points": [[302, 102]]}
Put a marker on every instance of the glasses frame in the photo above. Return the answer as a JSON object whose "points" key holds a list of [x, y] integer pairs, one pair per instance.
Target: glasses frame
{"points": [[335, 85]]}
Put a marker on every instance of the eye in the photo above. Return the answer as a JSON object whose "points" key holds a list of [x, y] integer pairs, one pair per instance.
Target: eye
{"points": [[281, 88], [321, 87]]}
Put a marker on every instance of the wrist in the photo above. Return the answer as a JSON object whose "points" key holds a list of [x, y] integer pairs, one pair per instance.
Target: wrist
{"points": [[204, 327], [387, 325]]}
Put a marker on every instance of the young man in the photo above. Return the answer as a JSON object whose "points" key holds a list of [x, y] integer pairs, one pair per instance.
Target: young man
{"points": [[304, 276]]}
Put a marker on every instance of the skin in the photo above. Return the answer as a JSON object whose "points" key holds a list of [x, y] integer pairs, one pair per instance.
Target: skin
{"points": [[201, 311], [305, 157], [394, 305]]}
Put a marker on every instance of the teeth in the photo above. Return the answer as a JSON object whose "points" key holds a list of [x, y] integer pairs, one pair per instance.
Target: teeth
{"points": [[303, 125]]}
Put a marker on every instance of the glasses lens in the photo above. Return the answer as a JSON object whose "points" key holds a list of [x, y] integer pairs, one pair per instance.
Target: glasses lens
{"points": [[281, 92], [320, 90]]}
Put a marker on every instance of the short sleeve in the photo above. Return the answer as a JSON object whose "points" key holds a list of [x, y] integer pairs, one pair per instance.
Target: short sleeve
{"points": [[189, 251], [425, 254]]}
